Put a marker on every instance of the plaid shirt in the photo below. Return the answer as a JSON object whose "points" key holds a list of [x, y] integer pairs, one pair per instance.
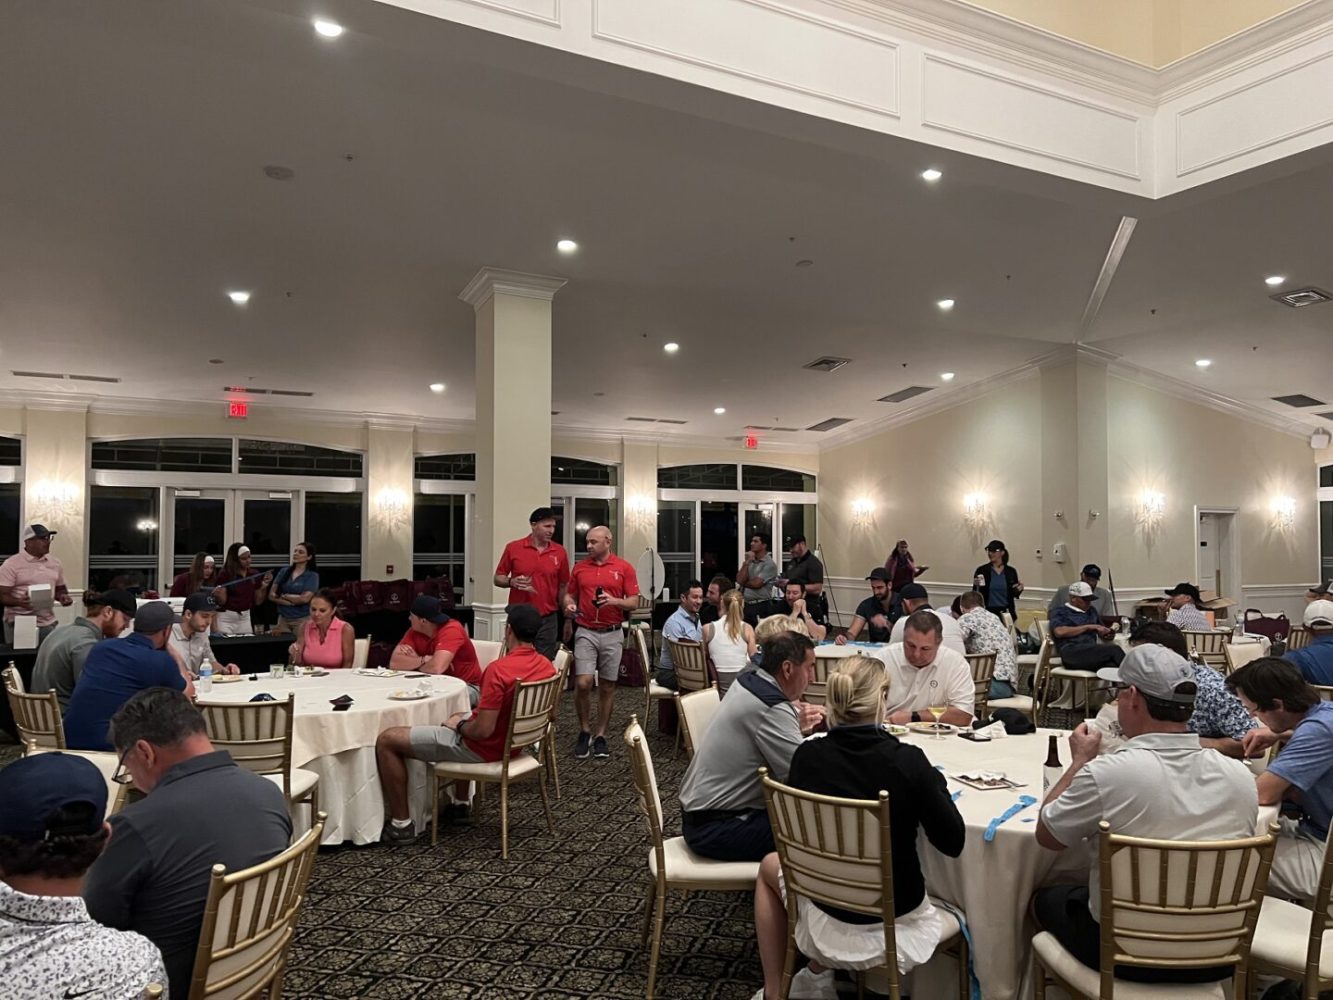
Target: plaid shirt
{"points": [[1217, 712], [983, 632], [1188, 618]]}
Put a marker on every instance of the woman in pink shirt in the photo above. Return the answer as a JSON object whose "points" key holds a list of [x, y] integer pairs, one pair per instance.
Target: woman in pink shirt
{"points": [[326, 640]]}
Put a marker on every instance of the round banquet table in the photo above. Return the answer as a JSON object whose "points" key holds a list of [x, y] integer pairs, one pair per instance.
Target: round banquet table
{"points": [[340, 746]]}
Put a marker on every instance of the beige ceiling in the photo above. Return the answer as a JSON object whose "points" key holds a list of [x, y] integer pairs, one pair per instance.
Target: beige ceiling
{"points": [[136, 197]]}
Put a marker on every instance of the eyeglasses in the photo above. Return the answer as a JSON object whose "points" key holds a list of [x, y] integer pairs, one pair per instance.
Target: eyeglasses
{"points": [[122, 775]]}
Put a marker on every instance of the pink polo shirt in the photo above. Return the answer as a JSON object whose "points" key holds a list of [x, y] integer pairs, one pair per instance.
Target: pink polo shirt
{"points": [[23, 570]]}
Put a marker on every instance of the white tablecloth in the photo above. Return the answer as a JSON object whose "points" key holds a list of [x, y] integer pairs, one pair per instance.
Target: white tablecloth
{"points": [[340, 746]]}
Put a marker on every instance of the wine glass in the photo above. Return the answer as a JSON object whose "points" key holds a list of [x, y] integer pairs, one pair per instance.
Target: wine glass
{"points": [[938, 711]]}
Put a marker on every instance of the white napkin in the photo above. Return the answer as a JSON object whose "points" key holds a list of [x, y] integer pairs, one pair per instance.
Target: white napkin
{"points": [[995, 731]]}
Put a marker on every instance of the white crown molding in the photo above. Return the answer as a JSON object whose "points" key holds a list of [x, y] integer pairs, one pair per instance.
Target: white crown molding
{"points": [[678, 440], [490, 281]]}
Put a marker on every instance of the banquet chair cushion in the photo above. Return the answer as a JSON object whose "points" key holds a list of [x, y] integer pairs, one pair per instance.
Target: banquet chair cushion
{"points": [[523, 764], [1019, 703], [684, 866], [1283, 934], [1069, 673], [656, 690], [302, 782], [1088, 981]]}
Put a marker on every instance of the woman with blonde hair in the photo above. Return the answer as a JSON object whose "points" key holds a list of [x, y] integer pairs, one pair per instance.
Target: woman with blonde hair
{"points": [[730, 640], [856, 760]]}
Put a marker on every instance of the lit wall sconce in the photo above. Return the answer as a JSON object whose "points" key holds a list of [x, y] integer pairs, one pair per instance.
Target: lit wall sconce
{"points": [[1152, 506], [146, 525], [52, 501], [976, 509], [1284, 513], [863, 512], [391, 508], [641, 511]]}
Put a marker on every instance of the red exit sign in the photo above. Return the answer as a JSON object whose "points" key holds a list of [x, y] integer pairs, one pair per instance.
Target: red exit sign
{"points": [[751, 441], [238, 409]]}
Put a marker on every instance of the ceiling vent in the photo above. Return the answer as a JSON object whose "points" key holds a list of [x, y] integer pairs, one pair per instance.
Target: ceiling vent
{"points": [[37, 374], [656, 420], [829, 424], [766, 427], [1326, 416], [1299, 298], [61, 376], [92, 378], [902, 395], [827, 364], [289, 392], [255, 391], [1299, 400]]}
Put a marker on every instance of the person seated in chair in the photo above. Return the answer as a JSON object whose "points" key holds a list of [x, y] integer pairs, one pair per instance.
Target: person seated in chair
{"points": [[798, 604], [1077, 630], [983, 632]]}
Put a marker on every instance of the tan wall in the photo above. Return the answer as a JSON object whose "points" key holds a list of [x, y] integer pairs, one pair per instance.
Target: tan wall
{"points": [[11, 420], [439, 443], [55, 484]]}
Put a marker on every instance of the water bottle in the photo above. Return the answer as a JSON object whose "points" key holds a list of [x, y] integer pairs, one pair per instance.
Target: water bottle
{"points": [[205, 684], [1238, 630]]}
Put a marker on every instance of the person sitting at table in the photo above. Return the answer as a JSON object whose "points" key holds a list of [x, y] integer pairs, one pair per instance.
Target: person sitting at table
{"points": [[925, 674], [1185, 614], [858, 760], [797, 604], [1314, 660], [33, 565], [1076, 629], [872, 614], [984, 633], [730, 641], [914, 599], [711, 610], [467, 737], [61, 658], [326, 640], [437, 644], [758, 724], [682, 625], [51, 830], [293, 588], [117, 670], [200, 576], [1160, 784], [239, 591], [1275, 693], [188, 641]]}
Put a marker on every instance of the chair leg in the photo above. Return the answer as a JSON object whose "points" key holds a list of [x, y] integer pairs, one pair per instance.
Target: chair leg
{"points": [[1038, 978], [434, 808], [552, 764], [546, 806], [504, 820], [659, 918], [788, 967], [648, 910], [964, 980]]}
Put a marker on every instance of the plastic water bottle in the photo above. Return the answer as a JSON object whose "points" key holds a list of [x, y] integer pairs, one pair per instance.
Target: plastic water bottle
{"points": [[205, 684], [1238, 630]]}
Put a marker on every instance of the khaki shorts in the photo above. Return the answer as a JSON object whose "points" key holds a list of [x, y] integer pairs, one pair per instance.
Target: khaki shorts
{"points": [[434, 744], [599, 653]]}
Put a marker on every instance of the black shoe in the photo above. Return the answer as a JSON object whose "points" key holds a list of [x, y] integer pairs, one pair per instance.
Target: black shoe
{"points": [[457, 812], [581, 749], [599, 748], [398, 834]]}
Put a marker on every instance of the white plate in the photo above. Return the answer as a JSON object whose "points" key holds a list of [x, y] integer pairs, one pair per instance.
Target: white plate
{"points": [[378, 672], [409, 695]]}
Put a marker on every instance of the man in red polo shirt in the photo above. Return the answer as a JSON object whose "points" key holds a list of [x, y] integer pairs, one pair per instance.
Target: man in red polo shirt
{"points": [[602, 589], [436, 644], [469, 737], [536, 571]]}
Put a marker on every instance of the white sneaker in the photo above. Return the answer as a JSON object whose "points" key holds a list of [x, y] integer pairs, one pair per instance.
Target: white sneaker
{"points": [[759, 995], [807, 985]]}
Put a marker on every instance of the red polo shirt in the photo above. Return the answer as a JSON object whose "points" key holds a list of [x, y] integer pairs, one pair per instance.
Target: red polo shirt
{"points": [[616, 577], [453, 638], [549, 570], [497, 693]]}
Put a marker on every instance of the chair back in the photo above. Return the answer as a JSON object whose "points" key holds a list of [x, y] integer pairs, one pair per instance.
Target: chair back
{"points": [[249, 920], [531, 713], [257, 734], [1208, 647], [637, 634], [488, 651], [1238, 654], [690, 660], [645, 783], [1298, 637], [360, 651], [817, 692], [1324, 690], [1044, 627], [1168, 904], [1041, 676], [1008, 620], [36, 716], [564, 659], [983, 671], [696, 710]]}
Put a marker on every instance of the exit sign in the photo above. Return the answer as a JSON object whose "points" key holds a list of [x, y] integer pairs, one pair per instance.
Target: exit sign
{"points": [[238, 409], [751, 441]]}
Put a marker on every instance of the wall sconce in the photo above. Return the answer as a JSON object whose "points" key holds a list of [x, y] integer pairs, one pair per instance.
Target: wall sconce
{"points": [[1152, 505], [976, 509], [391, 508], [1284, 513], [146, 525], [640, 511], [863, 512], [54, 501]]}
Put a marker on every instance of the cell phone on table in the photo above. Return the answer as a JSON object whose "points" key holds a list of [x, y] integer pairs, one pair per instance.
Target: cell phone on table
{"points": [[972, 737]]}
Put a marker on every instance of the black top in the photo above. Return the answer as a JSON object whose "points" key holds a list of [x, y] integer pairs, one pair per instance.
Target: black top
{"points": [[153, 876], [857, 762], [708, 614], [867, 610], [806, 569], [1011, 577]]}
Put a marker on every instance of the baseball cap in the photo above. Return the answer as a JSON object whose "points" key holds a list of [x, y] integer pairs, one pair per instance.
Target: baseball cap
{"points": [[880, 573], [1156, 672], [913, 592], [154, 617], [1093, 570], [37, 531], [118, 600], [994, 545], [1080, 589], [1319, 613], [34, 788], [1320, 589], [1184, 588], [523, 618], [200, 602], [427, 607], [795, 539]]}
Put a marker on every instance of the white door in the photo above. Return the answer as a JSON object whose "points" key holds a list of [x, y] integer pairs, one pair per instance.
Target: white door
{"points": [[1208, 568]]}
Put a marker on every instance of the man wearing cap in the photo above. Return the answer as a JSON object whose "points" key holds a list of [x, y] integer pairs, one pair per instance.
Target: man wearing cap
{"points": [[61, 658], [467, 737], [806, 569], [1315, 660], [437, 644], [51, 830], [32, 567], [1185, 614], [1319, 592], [1101, 598], [1077, 631], [536, 570], [1160, 784], [188, 641], [925, 673], [872, 614], [117, 670], [914, 598]]}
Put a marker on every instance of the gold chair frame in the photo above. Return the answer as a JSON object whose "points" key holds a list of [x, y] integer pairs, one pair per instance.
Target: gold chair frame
{"points": [[1208, 648], [690, 660], [258, 735], [36, 716], [563, 661], [1298, 637], [652, 691], [1321, 921], [1236, 655], [983, 672], [817, 691], [702, 706]]}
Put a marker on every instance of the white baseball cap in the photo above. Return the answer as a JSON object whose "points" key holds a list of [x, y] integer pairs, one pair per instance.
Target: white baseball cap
{"points": [[1319, 614], [1080, 589]]}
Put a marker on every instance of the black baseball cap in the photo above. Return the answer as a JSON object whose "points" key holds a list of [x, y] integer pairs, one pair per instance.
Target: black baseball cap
{"points": [[1320, 589], [427, 607], [913, 592], [1184, 588], [200, 602], [1093, 570], [995, 545], [34, 788], [880, 573], [118, 600]]}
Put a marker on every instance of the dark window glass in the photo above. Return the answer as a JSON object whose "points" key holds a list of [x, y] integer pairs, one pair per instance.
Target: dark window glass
{"points": [[286, 459], [164, 454], [439, 524], [267, 530], [201, 526], [576, 470], [333, 527], [123, 537], [1326, 475], [797, 519], [588, 514], [1326, 539], [697, 477], [761, 477], [460, 468], [11, 451], [9, 519]]}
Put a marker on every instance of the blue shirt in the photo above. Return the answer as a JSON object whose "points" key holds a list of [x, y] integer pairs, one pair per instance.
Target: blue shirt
{"points": [[999, 591], [1066, 615], [115, 672], [679, 626], [1218, 713], [298, 583], [1307, 762], [1316, 659]]}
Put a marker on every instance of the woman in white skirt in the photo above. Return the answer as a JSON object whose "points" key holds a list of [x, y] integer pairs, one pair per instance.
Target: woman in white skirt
{"points": [[730, 640], [238, 591], [856, 760]]}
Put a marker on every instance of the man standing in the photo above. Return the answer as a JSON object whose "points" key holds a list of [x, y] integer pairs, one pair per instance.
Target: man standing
{"points": [[983, 632], [873, 612], [200, 810], [683, 624], [536, 571], [712, 608], [798, 604], [31, 567], [469, 738], [602, 589], [188, 641], [1160, 784], [1101, 598], [757, 575], [61, 658], [51, 830], [117, 670], [806, 569], [1077, 629], [925, 674], [1185, 614], [1315, 661], [758, 725], [914, 598], [437, 644]]}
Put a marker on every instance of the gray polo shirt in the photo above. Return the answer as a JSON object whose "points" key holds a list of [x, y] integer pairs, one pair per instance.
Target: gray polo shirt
{"points": [[192, 650], [60, 659], [153, 876]]}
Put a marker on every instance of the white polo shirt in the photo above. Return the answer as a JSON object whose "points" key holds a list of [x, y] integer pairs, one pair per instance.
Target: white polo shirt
{"points": [[192, 650], [952, 635], [947, 681]]}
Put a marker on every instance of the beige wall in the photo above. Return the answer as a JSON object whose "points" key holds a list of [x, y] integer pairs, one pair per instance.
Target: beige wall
{"points": [[389, 466], [55, 483]]}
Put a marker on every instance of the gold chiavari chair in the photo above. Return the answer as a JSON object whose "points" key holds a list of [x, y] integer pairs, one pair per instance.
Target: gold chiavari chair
{"points": [[563, 661], [1290, 940], [695, 710], [1208, 648], [36, 716], [983, 671], [258, 735]]}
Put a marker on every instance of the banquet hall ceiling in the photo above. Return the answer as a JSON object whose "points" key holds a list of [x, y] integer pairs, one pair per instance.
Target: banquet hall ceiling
{"points": [[133, 197]]}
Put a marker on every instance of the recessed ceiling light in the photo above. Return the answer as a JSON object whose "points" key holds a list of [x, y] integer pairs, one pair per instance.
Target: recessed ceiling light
{"points": [[931, 176], [437, 387], [329, 29], [947, 376], [945, 304], [719, 410], [566, 246], [239, 297], [1274, 279], [671, 348], [1202, 363]]}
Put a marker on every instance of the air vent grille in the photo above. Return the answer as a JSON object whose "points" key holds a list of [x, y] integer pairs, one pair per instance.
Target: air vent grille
{"points": [[656, 420], [1299, 400], [829, 424], [37, 374], [61, 376], [902, 395], [289, 392], [92, 378], [827, 364], [256, 391], [1328, 415], [1299, 298]]}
